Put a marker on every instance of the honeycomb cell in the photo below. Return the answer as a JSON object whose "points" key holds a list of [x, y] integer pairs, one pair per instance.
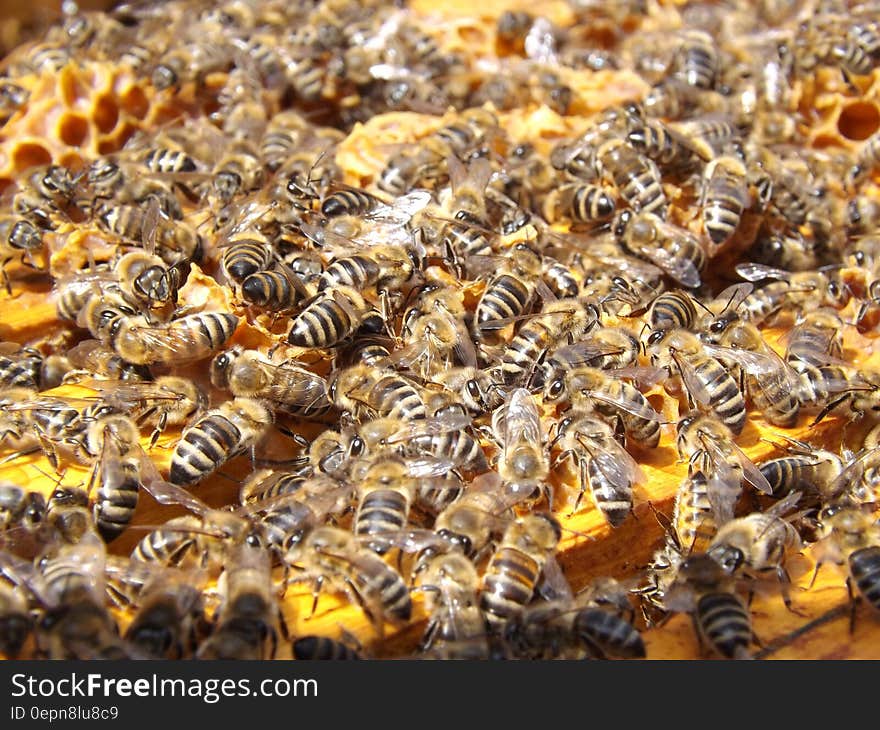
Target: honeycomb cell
{"points": [[30, 154], [135, 102], [859, 120], [71, 160], [73, 129], [105, 113], [823, 140], [70, 86]]}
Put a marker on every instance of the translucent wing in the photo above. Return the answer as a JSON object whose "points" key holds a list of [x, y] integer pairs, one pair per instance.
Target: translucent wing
{"points": [[166, 493], [640, 408]]}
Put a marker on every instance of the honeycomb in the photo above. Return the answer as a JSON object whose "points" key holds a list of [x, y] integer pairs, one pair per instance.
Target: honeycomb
{"points": [[95, 105]]}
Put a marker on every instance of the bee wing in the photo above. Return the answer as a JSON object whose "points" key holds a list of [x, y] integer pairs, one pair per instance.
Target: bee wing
{"points": [[784, 505], [692, 383], [751, 473], [680, 269], [399, 213], [23, 573], [582, 353], [294, 386], [425, 468], [758, 272], [553, 585], [641, 409], [643, 376], [723, 493], [446, 422], [521, 418], [615, 463], [763, 363], [166, 493], [734, 295], [170, 337]]}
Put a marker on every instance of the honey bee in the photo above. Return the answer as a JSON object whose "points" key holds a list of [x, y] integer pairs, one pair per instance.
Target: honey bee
{"points": [[799, 291], [697, 435], [516, 567], [174, 240], [771, 383], [349, 201], [868, 157], [12, 98], [724, 198], [170, 618], [509, 293], [118, 470], [68, 514], [456, 627], [607, 348], [698, 62], [218, 436], [189, 63], [806, 471], [19, 239], [276, 290], [148, 280], [475, 389], [817, 339], [329, 555], [591, 623], [579, 203], [672, 310], [239, 171], [314, 647], [363, 389], [76, 624], [249, 619], [250, 374], [330, 318], [672, 152], [558, 320], [706, 380], [757, 543], [850, 537], [523, 462], [602, 465], [21, 368], [247, 252], [589, 389], [720, 617], [675, 250], [710, 134], [636, 178], [387, 490]]}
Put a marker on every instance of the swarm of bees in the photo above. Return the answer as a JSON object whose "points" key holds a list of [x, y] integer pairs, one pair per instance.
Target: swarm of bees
{"points": [[420, 371]]}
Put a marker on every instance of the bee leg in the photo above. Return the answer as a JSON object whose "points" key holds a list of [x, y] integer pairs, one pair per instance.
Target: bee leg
{"points": [[830, 407], [428, 637], [815, 575], [785, 585], [583, 483], [282, 623], [6, 283], [316, 593], [698, 633], [160, 427], [853, 602]]}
